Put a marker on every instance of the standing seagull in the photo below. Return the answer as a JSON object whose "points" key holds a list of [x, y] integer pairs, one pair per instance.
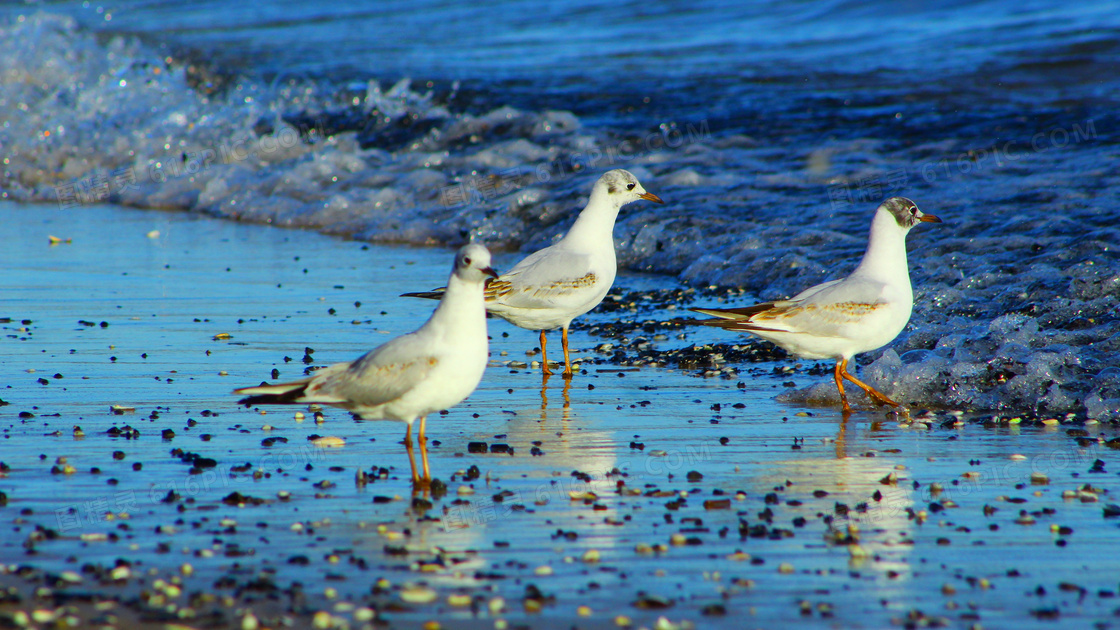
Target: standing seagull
{"points": [[842, 318], [553, 286], [433, 368]]}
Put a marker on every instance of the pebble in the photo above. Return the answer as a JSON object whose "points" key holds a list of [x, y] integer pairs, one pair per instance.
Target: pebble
{"points": [[321, 620], [418, 595], [857, 552]]}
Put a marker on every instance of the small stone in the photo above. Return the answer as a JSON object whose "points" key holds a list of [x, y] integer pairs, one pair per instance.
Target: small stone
{"points": [[458, 600], [418, 595]]}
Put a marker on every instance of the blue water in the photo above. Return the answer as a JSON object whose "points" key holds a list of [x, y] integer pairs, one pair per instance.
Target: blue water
{"points": [[773, 129]]}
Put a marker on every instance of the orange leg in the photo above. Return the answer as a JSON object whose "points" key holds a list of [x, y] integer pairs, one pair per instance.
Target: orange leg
{"points": [[567, 360], [427, 478], [411, 457], [837, 374], [544, 355], [877, 396]]}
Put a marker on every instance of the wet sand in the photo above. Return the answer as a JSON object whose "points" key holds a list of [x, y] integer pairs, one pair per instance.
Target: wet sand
{"points": [[649, 496]]}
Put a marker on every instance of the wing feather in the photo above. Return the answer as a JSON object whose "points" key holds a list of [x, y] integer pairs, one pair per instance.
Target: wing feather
{"points": [[825, 310], [542, 278]]}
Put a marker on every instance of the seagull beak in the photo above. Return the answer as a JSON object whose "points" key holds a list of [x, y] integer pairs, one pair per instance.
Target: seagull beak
{"points": [[648, 196], [929, 218], [490, 272]]}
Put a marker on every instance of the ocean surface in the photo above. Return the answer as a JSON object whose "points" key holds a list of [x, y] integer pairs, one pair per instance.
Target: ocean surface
{"points": [[772, 129]]}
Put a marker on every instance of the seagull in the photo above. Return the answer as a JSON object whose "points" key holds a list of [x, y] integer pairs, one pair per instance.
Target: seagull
{"points": [[842, 318], [413, 375], [553, 286]]}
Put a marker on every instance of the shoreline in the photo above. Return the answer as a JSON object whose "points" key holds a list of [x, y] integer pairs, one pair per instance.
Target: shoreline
{"points": [[728, 506]]}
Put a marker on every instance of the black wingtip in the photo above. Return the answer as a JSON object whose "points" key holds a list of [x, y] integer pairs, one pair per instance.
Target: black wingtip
{"points": [[287, 398], [428, 295]]}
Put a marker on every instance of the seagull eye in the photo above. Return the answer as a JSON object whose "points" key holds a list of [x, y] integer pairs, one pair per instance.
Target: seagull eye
{"points": [[630, 186], [913, 209], [466, 261]]}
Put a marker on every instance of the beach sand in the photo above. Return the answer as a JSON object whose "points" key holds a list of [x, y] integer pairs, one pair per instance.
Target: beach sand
{"points": [[649, 496]]}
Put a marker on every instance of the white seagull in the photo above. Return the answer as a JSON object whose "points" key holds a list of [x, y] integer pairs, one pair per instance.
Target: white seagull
{"points": [[409, 377], [553, 286], [842, 318]]}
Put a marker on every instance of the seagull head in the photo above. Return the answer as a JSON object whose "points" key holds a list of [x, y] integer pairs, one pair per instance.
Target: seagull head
{"points": [[906, 213], [472, 264], [621, 187]]}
